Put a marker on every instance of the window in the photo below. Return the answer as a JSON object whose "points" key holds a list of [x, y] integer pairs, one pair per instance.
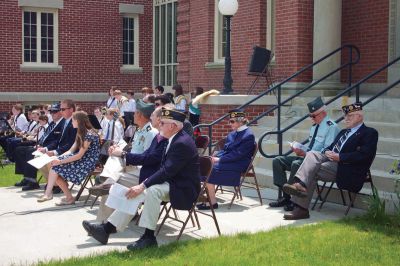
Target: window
{"points": [[130, 41], [40, 37], [271, 26], [165, 42], [219, 35]]}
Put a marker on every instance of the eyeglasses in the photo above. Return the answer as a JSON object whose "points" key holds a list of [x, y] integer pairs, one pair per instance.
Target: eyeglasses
{"points": [[232, 121]]}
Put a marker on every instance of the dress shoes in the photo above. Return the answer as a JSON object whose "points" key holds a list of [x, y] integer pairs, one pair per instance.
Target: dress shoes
{"points": [[22, 183], [280, 203], [297, 214], [30, 186], [295, 190], [86, 225], [143, 242], [97, 231], [100, 190], [204, 206], [289, 207]]}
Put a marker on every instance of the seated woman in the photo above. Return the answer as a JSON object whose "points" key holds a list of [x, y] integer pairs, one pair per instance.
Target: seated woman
{"points": [[75, 164], [233, 159]]}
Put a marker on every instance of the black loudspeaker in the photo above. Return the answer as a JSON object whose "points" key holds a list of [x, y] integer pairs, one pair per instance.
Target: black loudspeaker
{"points": [[259, 60]]}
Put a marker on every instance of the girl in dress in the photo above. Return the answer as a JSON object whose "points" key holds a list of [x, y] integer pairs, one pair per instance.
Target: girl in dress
{"points": [[75, 164]]}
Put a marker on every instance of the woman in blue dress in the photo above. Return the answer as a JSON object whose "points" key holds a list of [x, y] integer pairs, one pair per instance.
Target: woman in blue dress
{"points": [[75, 164]]}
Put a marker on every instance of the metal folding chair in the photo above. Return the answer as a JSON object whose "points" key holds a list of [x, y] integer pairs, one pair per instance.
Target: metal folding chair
{"points": [[202, 142]]}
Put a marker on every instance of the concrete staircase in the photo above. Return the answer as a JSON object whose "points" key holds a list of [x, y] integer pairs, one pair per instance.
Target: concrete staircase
{"points": [[383, 114]]}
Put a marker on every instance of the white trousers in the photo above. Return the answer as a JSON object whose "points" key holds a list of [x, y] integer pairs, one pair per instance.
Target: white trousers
{"points": [[152, 198]]}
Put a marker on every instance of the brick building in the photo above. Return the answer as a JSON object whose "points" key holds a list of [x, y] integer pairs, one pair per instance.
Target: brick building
{"points": [[55, 49]]}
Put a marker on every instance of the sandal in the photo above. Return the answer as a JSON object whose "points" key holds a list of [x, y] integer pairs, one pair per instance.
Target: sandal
{"points": [[64, 202], [44, 198]]}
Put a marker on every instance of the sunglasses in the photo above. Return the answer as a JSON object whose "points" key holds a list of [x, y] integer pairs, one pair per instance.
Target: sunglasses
{"points": [[231, 121], [63, 109]]}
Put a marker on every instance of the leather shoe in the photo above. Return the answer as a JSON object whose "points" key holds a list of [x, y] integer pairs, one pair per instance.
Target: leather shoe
{"points": [[96, 231], [22, 183], [143, 242], [100, 190], [86, 225], [297, 214], [30, 186], [295, 189], [289, 207], [204, 206], [280, 202]]}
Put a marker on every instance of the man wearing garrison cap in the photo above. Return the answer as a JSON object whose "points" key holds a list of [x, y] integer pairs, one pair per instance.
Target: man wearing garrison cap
{"points": [[322, 134], [345, 161], [177, 180]]}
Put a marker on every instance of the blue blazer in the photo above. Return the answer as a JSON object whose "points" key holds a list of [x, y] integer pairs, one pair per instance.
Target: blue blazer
{"points": [[150, 159], [237, 152], [180, 168], [67, 139], [50, 142], [356, 157]]}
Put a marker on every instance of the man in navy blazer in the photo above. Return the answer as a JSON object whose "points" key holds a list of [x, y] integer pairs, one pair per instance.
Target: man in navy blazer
{"points": [[346, 160], [233, 159], [177, 180]]}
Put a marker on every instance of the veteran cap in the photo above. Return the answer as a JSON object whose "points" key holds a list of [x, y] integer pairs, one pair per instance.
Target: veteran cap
{"points": [[145, 108], [352, 108], [55, 107], [172, 114], [316, 104], [237, 113]]}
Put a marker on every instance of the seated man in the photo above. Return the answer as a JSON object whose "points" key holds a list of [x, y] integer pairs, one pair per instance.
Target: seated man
{"points": [[346, 160], [234, 159], [19, 124], [322, 134], [176, 180]]}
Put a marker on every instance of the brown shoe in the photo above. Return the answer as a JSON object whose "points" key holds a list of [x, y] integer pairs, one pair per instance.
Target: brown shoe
{"points": [[100, 190], [297, 214], [295, 190]]}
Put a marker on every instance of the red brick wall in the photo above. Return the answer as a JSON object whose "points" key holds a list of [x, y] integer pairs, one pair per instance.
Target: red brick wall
{"points": [[365, 24], [90, 49]]}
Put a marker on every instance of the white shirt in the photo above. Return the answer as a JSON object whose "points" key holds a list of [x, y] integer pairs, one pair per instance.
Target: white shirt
{"points": [[21, 123], [352, 131], [118, 131], [169, 142], [111, 102], [131, 106], [42, 130]]}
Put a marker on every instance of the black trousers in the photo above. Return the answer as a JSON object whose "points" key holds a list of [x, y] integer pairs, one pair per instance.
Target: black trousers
{"points": [[22, 155], [3, 142]]}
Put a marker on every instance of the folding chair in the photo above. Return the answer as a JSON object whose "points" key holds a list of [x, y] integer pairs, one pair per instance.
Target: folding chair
{"points": [[248, 173], [352, 199], [206, 165], [85, 182], [202, 142]]}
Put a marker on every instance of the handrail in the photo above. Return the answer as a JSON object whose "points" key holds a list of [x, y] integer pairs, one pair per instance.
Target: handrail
{"points": [[356, 86], [278, 87]]}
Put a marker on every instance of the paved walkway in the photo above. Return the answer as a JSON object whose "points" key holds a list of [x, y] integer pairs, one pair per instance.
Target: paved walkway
{"points": [[30, 231]]}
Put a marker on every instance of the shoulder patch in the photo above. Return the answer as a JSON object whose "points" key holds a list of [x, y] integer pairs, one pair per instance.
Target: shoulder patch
{"points": [[329, 122], [148, 128]]}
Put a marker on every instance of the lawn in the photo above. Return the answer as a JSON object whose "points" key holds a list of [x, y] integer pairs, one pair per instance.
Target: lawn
{"points": [[7, 176], [355, 241]]}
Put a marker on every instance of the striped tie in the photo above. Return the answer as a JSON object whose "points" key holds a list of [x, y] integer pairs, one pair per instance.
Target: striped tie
{"points": [[47, 133], [342, 139]]}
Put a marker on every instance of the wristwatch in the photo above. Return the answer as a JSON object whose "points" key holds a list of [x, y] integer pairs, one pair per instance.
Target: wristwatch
{"points": [[123, 154]]}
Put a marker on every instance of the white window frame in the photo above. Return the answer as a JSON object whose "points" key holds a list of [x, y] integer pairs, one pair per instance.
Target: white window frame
{"points": [[218, 34], [135, 65], [38, 65], [271, 19]]}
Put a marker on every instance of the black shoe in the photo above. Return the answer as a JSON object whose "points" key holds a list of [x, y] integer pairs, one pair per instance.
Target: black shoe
{"points": [[143, 242], [96, 231], [86, 225], [289, 207], [30, 186], [204, 207], [280, 203], [22, 183]]}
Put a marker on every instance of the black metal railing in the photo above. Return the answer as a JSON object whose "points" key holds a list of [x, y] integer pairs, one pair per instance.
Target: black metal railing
{"points": [[279, 132], [352, 59]]}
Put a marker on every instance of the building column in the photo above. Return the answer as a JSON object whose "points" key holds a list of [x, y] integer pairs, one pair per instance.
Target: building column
{"points": [[326, 38]]}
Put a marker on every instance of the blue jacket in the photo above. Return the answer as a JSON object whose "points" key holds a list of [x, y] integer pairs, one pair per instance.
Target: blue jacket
{"points": [[180, 168], [150, 159], [237, 152], [67, 139], [356, 157], [54, 136]]}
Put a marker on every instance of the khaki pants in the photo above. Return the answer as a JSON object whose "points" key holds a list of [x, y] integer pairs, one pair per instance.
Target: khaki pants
{"points": [[314, 166], [152, 198]]}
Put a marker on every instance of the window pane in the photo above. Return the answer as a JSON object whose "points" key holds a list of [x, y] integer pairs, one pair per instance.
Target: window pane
{"points": [[33, 56], [44, 44], [44, 57], [27, 56], [156, 37], [50, 19], [27, 17], [169, 75], [50, 44], [44, 18], [162, 75], [125, 58], [131, 58], [163, 29], [33, 43], [50, 57], [44, 31], [169, 33], [27, 43], [50, 31], [33, 18], [174, 36]]}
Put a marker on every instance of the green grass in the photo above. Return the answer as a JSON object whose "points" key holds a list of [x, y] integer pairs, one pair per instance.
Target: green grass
{"points": [[7, 176], [356, 241]]}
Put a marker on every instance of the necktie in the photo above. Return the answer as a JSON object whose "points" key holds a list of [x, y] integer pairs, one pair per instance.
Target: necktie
{"points": [[338, 144], [108, 131], [313, 138], [65, 126], [47, 133]]}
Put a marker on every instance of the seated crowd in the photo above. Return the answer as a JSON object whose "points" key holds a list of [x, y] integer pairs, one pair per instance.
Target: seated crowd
{"points": [[158, 162]]}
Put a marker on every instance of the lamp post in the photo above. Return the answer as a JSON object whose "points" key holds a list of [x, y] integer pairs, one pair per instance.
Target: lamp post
{"points": [[228, 9]]}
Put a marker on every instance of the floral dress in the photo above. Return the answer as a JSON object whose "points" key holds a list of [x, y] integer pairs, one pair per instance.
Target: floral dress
{"points": [[76, 171]]}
